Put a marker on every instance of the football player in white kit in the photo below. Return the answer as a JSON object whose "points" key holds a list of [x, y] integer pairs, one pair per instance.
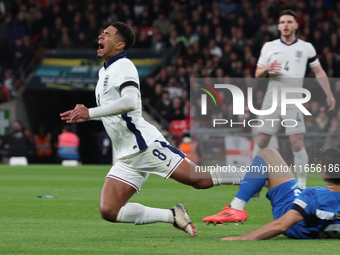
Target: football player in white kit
{"points": [[141, 149], [285, 61]]}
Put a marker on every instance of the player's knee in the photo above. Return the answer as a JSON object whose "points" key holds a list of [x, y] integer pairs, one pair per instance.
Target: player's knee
{"points": [[268, 153], [108, 213], [202, 183]]}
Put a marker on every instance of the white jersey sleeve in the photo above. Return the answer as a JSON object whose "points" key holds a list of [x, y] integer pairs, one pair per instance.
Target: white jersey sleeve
{"points": [[264, 56], [312, 59], [126, 76]]}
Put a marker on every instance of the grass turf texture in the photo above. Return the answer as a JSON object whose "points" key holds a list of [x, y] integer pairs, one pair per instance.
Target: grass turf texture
{"points": [[71, 224]]}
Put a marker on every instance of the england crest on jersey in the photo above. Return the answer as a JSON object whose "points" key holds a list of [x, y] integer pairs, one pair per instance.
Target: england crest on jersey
{"points": [[299, 54], [106, 81]]}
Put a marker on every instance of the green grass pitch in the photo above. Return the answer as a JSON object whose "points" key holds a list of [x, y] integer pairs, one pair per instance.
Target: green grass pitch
{"points": [[71, 224]]}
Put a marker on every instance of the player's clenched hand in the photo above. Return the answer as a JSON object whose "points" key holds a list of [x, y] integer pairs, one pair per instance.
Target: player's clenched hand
{"points": [[331, 102], [80, 113], [274, 67]]}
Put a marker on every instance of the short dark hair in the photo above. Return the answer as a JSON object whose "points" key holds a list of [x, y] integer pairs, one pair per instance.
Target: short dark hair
{"points": [[288, 12], [330, 162], [125, 31]]}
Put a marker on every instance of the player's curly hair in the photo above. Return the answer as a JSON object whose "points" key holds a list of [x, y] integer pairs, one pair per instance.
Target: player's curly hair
{"points": [[330, 162], [288, 12], [126, 32]]}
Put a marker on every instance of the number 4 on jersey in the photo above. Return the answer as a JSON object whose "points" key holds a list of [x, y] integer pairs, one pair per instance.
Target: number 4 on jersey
{"points": [[286, 66]]}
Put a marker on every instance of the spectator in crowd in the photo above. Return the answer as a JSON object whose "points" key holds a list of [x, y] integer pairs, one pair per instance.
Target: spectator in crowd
{"points": [[65, 41], [68, 144], [214, 49], [157, 95], [175, 111], [322, 120], [20, 27], [21, 54], [333, 138], [144, 40], [158, 42], [173, 87], [162, 23], [105, 148], [163, 77], [43, 145], [56, 31], [38, 23], [311, 125], [45, 40], [82, 42], [163, 104], [16, 143], [190, 148]]}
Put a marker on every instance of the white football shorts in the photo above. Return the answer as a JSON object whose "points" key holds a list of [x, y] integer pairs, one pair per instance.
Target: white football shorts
{"points": [[159, 158], [292, 127]]}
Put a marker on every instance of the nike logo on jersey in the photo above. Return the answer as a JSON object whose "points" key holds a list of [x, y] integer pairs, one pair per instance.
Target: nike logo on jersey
{"points": [[277, 53], [169, 163]]}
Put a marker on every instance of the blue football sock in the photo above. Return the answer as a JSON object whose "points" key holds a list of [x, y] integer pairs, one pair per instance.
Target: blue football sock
{"points": [[253, 180]]}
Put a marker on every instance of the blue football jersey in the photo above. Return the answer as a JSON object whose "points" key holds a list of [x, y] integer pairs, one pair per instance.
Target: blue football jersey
{"points": [[320, 208]]}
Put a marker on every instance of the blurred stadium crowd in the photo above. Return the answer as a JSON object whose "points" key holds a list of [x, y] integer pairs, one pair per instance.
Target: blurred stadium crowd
{"points": [[219, 39]]}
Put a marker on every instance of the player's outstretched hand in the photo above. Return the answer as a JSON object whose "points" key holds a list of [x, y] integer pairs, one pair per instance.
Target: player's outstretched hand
{"points": [[79, 114], [274, 67], [66, 115], [331, 102]]}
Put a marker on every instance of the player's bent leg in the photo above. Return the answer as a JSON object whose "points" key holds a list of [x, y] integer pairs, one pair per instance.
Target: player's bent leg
{"points": [[253, 181], [261, 143], [277, 168], [300, 158], [114, 196], [182, 175], [255, 178], [114, 208], [188, 174]]}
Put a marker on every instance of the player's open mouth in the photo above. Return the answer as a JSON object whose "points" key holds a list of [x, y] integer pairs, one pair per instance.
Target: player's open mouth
{"points": [[286, 30], [100, 48]]}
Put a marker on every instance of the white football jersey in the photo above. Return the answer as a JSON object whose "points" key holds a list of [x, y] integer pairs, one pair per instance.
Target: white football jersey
{"points": [[129, 132], [293, 59]]}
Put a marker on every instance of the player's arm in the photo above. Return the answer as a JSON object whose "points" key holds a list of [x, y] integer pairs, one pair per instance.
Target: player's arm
{"points": [[262, 72], [263, 65], [272, 228], [126, 103], [324, 83]]}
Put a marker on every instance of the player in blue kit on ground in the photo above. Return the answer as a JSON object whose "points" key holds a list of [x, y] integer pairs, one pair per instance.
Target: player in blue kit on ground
{"points": [[141, 149], [308, 214]]}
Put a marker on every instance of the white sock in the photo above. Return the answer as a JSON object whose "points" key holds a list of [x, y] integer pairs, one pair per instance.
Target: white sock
{"points": [[227, 176], [256, 150], [238, 204], [301, 159], [140, 214]]}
